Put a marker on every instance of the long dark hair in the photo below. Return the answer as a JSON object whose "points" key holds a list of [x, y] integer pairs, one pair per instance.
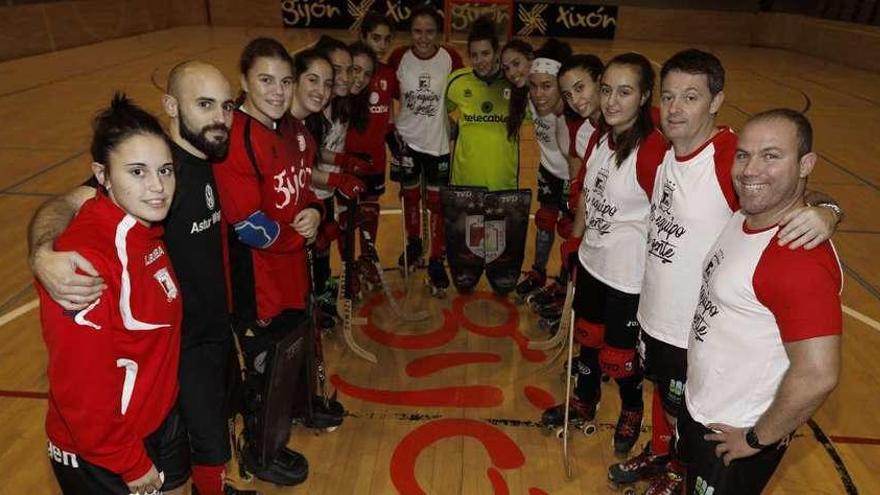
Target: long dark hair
{"points": [[116, 123], [590, 64], [518, 96], [360, 103], [340, 106], [626, 142]]}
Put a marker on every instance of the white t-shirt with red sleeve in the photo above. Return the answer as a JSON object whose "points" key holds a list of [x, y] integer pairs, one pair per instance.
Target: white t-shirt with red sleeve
{"points": [[756, 296], [579, 132], [617, 207], [422, 121], [693, 200]]}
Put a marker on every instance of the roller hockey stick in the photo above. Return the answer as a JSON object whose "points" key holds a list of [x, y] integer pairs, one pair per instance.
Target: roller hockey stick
{"points": [[392, 301], [346, 281], [566, 455], [564, 325], [319, 345], [403, 243]]}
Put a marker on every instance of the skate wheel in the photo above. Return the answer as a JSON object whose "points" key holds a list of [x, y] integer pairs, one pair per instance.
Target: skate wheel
{"points": [[589, 429], [559, 433], [246, 476], [629, 491], [330, 429]]}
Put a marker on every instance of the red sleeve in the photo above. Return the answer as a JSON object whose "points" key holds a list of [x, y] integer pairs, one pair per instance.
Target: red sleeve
{"points": [[725, 151], [802, 290], [86, 384], [240, 195], [648, 159]]}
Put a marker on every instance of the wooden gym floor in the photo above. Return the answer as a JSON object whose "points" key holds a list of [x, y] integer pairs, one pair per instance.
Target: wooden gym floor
{"points": [[415, 425]]}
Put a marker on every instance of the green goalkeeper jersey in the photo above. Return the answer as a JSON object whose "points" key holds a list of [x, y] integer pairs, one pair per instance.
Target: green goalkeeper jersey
{"points": [[483, 155]]}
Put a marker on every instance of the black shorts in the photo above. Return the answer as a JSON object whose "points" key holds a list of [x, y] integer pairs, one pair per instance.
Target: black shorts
{"points": [[434, 168], [598, 303], [552, 191], [748, 475], [666, 366], [167, 447], [204, 370]]}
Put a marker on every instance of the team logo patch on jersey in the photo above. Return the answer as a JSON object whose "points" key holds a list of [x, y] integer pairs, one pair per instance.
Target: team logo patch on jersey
{"points": [[468, 93], [374, 98], [209, 196], [506, 93], [487, 107], [485, 239], [167, 283]]}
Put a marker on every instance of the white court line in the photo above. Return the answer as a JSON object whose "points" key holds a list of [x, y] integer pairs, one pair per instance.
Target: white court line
{"points": [[867, 320], [15, 313]]}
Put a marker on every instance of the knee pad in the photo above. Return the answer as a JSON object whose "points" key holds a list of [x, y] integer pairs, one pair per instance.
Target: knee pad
{"points": [[545, 218], [589, 334], [564, 226], [618, 363], [433, 201]]}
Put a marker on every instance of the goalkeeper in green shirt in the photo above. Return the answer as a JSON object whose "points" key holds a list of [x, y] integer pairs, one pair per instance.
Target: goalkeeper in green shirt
{"points": [[480, 96]]}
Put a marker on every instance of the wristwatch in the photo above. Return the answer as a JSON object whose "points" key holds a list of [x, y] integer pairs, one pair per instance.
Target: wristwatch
{"points": [[752, 440], [837, 210]]}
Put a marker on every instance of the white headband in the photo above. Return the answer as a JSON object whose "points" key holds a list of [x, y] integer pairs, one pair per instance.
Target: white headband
{"points": [[543, 65]]}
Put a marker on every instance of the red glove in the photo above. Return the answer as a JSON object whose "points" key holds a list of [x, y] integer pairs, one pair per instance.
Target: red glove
{"points": [[327, 233], [351, 163], [347, 185], [568, 253]]}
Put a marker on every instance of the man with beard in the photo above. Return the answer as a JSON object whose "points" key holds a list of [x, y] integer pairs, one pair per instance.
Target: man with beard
{"points": [[199, 103]]}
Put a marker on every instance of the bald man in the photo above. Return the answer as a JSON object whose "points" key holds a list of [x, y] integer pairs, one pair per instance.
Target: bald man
{"points": [[199, 104]]}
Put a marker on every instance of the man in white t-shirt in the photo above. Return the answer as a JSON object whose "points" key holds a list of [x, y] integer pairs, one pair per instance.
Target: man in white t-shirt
{"points": [[764, 346], [692, 201]]}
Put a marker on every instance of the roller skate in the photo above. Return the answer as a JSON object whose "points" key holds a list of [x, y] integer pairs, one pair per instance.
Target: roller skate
{"points": [[531, 281], [670, 482], [546, 295], [327, 414], [326, 314], [581, 415], [289, 468], [368, 273], [626, 433], [437, 280], [623, 476], [229, 490], [550, 316], [414, 255]]}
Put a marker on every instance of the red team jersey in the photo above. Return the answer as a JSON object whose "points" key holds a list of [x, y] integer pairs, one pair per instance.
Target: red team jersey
{"points": [[372, 139], [113, 365], [278, 184]]}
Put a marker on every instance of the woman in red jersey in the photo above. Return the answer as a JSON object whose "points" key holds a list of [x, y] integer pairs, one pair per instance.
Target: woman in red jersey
{"points": [[266, 196], [111, 422]]}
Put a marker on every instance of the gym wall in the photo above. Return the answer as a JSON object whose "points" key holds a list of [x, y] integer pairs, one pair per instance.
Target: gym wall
{"points": [[28, 28]]}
